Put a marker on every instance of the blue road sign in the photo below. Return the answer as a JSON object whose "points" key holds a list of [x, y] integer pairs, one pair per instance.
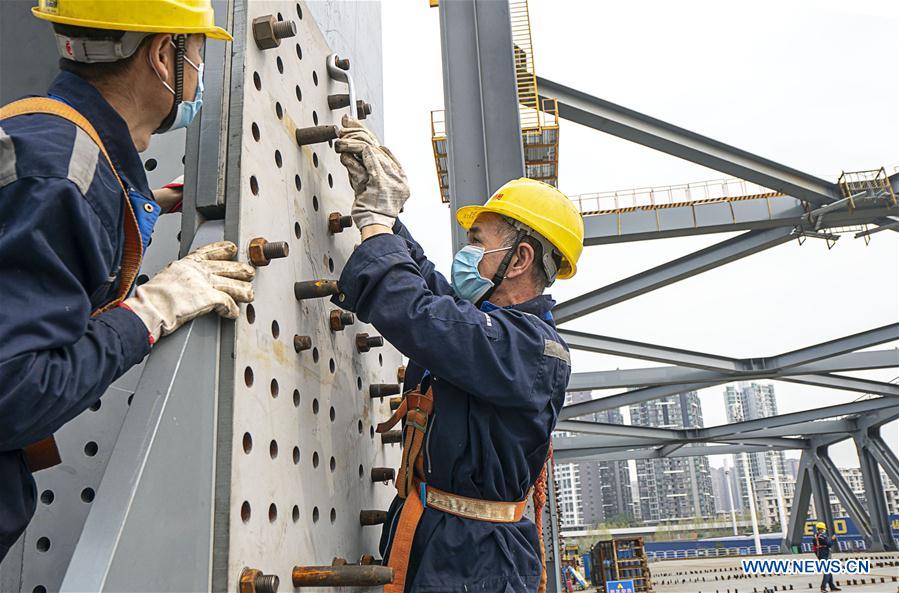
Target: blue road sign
{"points": [[620, 586]]}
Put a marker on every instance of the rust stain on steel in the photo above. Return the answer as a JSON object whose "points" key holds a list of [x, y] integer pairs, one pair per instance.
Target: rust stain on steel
{"points": [[352, 575]]}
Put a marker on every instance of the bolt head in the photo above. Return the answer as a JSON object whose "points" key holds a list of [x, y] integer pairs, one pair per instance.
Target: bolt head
{"points": [[256, 252], [264, 32]]}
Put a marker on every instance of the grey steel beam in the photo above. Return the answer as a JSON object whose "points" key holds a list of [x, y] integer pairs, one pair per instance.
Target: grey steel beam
{"points": [[670, 374], [846, 497], [621, 430], [566, 454], [885, 457], [802, 495], [631, 349], [619, 121], [875, 501], [846, 384], [626, 398], [668, 273], [865, 339], [481, 98], [632, 434]]}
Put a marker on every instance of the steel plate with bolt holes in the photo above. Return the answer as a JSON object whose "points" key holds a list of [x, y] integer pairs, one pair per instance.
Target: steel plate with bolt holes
{"points": [[303, 441]]}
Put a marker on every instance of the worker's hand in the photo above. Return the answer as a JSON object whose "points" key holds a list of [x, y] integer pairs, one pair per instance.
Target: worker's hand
{"points": [[376, 176], [169, 196], [203, 281]]}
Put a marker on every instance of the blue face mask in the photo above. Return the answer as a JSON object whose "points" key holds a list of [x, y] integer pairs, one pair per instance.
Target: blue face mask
{"points": [[467, 280], [185, 111]]}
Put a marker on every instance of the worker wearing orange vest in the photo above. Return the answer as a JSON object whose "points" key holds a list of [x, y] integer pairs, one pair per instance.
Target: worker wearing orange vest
{"points": [[486, 378], [76, 214]]}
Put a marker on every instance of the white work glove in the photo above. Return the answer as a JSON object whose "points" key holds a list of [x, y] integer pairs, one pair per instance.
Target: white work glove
{"points": [[376, 176], [203, 281]]}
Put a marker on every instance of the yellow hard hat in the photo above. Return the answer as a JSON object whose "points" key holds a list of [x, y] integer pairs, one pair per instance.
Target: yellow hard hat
{"points": [[820, 525], [180, 17], [541, 207]]}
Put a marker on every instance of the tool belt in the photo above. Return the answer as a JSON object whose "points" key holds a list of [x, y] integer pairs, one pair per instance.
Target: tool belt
{"points": [[45, 453], [416, 409]]}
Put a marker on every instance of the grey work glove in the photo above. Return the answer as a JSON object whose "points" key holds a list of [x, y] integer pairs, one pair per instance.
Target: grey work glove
{"points": [[376, 176], [203, 281]]}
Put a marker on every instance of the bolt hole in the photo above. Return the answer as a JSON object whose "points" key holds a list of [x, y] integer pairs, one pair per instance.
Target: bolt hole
{"points": [[280, 65], [279, 111], [315, 459], [296, 398], [39, 589], [360, 426], [254, 185], [247, 443], [272, 513], [43, 544], [296, 455], [280, 18], [380, 359], [315, 355], [295, 513], [276, 329], [273, 449], [315, 118], [255, 129], [142, 279], [315, 203], [91, 448], [298, 182], [315, 78], [278, 160], [87, 495], [273, 387], [314, 160], [331, 366], [372, 432], [315, 514], [130, 397], [299, 11], [298, 91], [315, 406], [96, 406], [257, 82], [330, 180], [47, 497], [332, 464], [332, 413], [299, 53], [251, 314], [361, 471], [297, 231], [333, 515], [359, 383], [330, 264], [151, 164], [245, 511], [248, 376]]}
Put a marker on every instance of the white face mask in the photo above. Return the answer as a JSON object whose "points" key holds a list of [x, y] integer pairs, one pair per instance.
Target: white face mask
{"points": [[185, 111]]}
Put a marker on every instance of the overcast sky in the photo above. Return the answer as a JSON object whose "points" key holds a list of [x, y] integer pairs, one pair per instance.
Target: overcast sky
{"points": [[814, 85]]}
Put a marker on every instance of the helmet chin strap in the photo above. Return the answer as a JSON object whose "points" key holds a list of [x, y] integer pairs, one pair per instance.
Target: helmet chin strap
{"points": [[500, 274], [180, 42]]}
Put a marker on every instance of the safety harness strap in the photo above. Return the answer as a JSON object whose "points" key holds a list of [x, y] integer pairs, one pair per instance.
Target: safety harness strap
{"points": [[45, 453], [133, 248], [401, 548]]}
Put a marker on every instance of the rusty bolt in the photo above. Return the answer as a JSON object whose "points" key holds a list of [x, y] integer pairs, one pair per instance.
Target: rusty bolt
{"points": [[364, 342], [338, 561], [367, 518], [369, 560], [313, 289], [401, 374], [253, 581], [382, 474], [340, 319], [392, 437], [342, 63], [315, 134], [261, 251], [269, 31], [363, 109], [395, 403], [301, 343], [337, 222], [350, 575], [383, 389]]}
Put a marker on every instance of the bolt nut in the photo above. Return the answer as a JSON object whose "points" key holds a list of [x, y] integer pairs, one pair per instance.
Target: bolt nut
{"points": [[364, 342], [340, 319], [261, 252], [253, 581], [368, 560], [383, 389], [392, 437], [338, 561], [401, 374], [337, 222], [363, 109], [382, 474], [301, 343], [268, 31]]}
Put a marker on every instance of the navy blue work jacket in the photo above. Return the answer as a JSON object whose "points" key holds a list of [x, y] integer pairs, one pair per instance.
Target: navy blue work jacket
{"points": [[499, 381], [61, 242]]}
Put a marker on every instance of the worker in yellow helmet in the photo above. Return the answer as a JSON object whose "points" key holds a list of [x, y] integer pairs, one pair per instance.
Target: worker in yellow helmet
{"points": [[487, 373], [822, 546], [77, 213]]}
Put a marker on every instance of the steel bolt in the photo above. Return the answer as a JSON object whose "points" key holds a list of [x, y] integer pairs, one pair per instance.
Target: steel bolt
{"points": [[382, 474], [363, 109], [395, 403], [253, 581], [364, 342], [301, 343], [340, 319], [392, 437], [383, 389], [261, 251], [367, 518], [269, 31], [401, 374], [315, 134], [337, 222], [313, 289], [350, 575]]}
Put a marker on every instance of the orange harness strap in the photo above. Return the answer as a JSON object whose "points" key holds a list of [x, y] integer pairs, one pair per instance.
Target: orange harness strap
{"points": [[45, 453], [539, 503], [401, 547], [133, 248], [415, 408]]}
